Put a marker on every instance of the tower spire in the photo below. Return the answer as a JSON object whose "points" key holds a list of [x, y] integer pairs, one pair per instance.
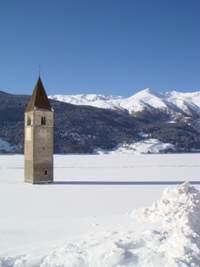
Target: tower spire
{"points": [[39, 70], [39, 98]]}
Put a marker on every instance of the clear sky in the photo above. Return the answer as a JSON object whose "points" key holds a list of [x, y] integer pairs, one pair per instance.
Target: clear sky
{"points": [[115, 47]]}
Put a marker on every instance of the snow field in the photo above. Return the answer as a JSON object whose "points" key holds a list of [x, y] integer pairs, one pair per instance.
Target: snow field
{"points": [[65, 224]]}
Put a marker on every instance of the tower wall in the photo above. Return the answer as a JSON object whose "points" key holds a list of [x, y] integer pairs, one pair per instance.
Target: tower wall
{"points": [[38, 147]]}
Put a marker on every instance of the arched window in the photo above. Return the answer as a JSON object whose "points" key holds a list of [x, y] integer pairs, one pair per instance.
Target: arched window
{"points": [[43, 120], [28, 121], [45, 172]]}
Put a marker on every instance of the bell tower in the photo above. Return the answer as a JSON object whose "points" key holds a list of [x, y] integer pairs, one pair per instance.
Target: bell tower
{"points": [[38, 138]]}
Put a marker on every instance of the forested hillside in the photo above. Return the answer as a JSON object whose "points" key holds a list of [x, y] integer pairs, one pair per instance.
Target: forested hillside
{"points": [[81, 129]]}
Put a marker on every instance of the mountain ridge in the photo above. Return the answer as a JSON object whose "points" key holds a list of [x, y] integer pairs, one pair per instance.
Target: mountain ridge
{"points": [[172, 103]]}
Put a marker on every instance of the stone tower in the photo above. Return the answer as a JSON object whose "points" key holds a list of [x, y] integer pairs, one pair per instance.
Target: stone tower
{"points": [[38, 138]]}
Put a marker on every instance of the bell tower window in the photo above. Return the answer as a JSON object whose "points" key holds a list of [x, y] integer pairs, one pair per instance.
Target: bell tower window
{"points": [[28, 121], [43, 120]]}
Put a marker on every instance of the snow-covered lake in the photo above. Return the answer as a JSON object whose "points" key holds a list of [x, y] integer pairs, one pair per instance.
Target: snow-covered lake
{"points": [[86, 217]]}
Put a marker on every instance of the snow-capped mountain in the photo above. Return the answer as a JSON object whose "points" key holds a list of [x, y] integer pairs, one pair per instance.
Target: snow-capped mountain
{"points": [[174, 104], [95, 100]]}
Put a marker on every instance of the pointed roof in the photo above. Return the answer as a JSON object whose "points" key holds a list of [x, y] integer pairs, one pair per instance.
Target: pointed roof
{"points": [[39, 98]]}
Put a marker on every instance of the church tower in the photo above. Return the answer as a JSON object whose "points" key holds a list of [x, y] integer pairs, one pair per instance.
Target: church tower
{"points": [[38, 138]]}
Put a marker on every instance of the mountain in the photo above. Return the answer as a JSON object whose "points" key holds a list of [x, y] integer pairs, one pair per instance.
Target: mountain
{"points": [[90, 122], [179, 106]]}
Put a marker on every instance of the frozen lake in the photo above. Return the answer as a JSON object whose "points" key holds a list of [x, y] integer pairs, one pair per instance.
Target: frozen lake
{"points": [[89, 190]]}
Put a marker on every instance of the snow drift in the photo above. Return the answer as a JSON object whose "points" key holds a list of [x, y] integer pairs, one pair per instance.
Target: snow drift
{"points": [[165, 234], [176, 220]]}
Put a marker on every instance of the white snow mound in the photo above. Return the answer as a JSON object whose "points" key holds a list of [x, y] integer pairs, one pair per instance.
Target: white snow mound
{"points": [[176, 230], [179, 207]]}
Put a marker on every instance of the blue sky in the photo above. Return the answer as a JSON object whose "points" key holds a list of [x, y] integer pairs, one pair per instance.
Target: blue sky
{"points": [[115, 47]]}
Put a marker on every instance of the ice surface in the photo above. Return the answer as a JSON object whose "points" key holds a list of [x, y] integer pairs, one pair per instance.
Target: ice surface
{"points": [[94, 225]]}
